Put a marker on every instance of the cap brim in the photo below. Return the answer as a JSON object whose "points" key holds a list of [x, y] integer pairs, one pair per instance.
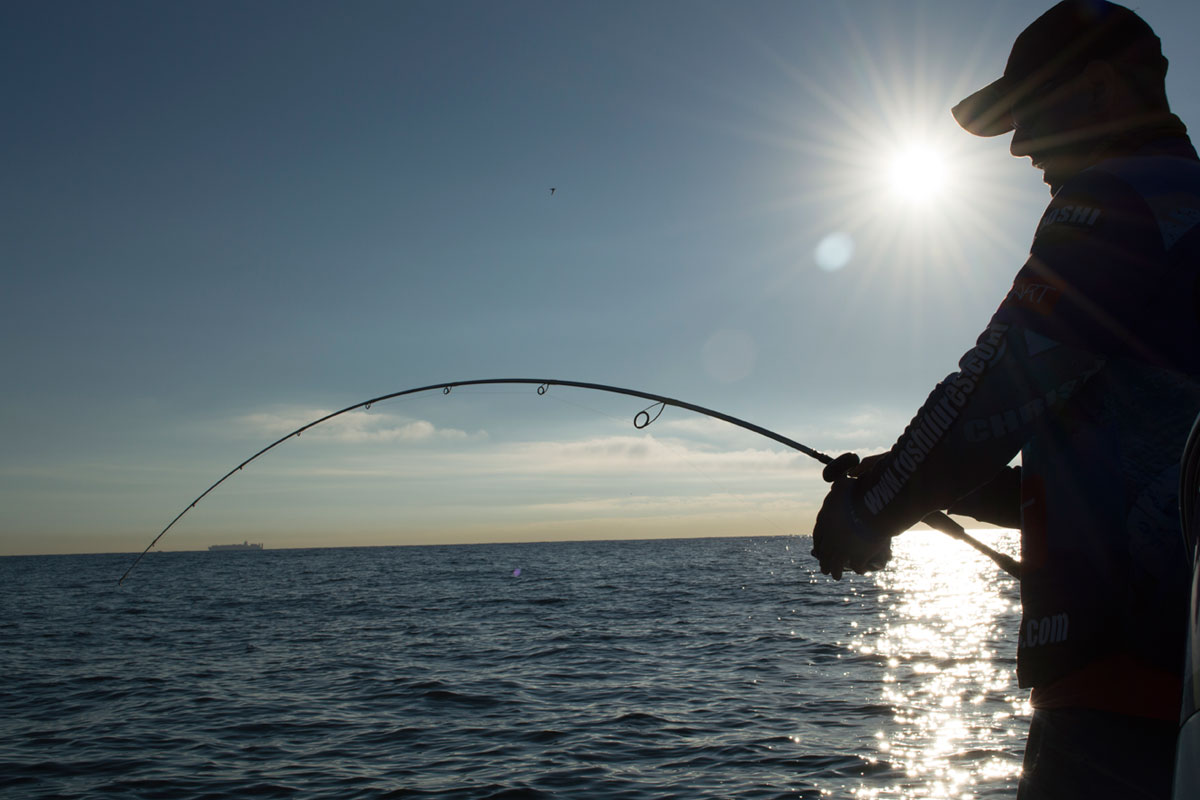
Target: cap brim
{"points": [[988, 112]]}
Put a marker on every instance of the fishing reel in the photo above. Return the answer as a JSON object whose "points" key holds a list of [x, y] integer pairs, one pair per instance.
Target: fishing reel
{"points": [[840, 467]]}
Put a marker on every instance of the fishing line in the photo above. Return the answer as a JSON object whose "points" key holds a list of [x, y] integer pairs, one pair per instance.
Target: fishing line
{"points": [[834, 468]]}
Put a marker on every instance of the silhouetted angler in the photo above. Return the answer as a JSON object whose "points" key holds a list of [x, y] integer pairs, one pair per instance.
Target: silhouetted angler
{"points": [[1089, 371]]}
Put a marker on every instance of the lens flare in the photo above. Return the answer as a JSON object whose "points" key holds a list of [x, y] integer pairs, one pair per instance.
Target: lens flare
{"points": [[834, 251]]}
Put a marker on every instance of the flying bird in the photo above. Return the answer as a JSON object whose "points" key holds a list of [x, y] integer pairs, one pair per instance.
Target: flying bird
{"points": [[552, 191]]}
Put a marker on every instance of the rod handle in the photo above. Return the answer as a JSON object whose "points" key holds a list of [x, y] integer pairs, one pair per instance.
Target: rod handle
{"points": [[942, 522]]}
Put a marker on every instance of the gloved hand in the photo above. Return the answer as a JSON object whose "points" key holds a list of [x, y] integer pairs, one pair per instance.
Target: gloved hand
{"points": [[841, 540], [864, 465]]}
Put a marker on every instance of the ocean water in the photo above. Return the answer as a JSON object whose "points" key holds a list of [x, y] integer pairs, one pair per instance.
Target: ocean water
{"points": [[702, 668]]}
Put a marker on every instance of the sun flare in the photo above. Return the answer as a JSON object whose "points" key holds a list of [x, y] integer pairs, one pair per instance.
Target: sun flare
{"points": [[917, 174], [892, 191]]}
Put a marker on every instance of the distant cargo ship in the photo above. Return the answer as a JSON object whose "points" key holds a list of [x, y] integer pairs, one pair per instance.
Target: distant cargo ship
{"points": [[242, 546]]}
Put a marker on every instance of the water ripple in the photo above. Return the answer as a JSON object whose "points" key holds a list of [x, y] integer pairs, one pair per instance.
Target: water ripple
{"points": [[677, 669]]}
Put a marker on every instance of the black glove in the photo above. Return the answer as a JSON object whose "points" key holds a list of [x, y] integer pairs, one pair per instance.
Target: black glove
{"points": [[841, 540]]}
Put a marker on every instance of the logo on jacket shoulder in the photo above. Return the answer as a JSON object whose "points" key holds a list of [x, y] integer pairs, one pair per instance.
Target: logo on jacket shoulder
{"points": [[1081, 216]]}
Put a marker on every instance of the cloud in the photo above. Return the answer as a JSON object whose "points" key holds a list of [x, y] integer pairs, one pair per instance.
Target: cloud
{"points": [[683, 445], [695, 426], [434, 476], [437, 483], [673, 505], [622, 460], [625, 454], [862, 429], [353, 427]]}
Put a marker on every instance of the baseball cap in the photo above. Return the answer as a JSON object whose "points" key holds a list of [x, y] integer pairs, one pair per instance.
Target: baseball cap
{"points": [[1059, 44]]}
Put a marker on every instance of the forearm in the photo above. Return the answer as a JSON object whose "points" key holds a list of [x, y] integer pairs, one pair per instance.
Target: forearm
{"points": [[969, 429], [997, 502]]}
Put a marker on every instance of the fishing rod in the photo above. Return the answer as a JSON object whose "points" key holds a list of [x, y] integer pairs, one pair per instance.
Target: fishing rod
{"points": [[834, 467]]}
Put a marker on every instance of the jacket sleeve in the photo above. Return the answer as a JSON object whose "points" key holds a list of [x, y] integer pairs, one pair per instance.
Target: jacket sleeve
{"points": [[971, 425], [998, 501]]}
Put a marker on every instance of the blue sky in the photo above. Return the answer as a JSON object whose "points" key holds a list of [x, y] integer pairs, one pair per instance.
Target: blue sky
{"points": [[219, 221]]}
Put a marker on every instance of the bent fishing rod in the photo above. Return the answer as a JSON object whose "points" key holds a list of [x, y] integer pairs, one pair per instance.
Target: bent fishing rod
{"points": [[835, 468]]}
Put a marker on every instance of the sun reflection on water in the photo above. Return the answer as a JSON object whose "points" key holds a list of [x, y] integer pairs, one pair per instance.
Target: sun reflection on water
{"points": [[946, 622]]}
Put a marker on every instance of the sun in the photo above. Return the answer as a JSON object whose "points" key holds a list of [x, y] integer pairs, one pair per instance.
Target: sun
{"points": [[916, 174], [888, 185]]}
